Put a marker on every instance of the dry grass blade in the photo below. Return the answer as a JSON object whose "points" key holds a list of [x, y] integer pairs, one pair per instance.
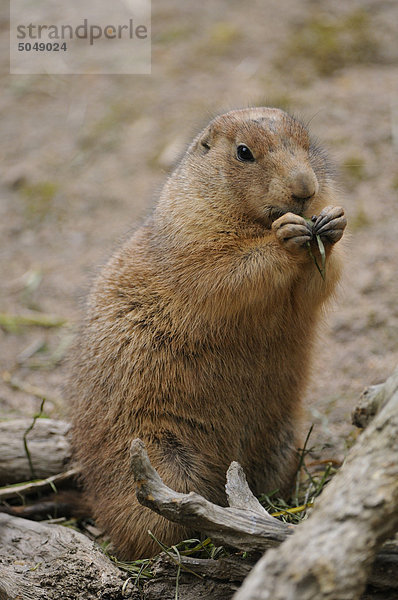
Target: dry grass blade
{"points": [[293, 511], [12, 323], [322, 252], [322, 268], [169, 552]]}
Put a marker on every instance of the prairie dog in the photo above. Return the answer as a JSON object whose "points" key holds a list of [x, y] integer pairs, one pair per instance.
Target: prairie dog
{"points": [[199, 330]]}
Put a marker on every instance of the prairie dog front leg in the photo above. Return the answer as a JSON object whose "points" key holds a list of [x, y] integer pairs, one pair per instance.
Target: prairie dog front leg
{"points": [[293, 232], [330, 224]]}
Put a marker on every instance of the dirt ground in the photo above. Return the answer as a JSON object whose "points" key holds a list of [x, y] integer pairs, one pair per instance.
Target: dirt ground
{"points": [[83, 159]]}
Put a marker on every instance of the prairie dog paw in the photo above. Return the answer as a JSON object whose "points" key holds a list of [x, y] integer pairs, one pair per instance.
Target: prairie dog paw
{"points": [[330, 224], [292, 231]]}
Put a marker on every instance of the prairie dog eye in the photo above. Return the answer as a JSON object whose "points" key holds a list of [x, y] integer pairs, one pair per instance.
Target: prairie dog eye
{"points": [[244, 154]]}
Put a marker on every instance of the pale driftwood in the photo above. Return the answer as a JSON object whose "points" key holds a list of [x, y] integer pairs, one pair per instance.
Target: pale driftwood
{"points": [[330, 555], [238, 492], [48, 562], [237, 527], [47, 443], [373, 399]]}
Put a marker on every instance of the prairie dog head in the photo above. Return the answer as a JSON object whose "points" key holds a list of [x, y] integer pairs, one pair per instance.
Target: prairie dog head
{"points": [[261, 161]]}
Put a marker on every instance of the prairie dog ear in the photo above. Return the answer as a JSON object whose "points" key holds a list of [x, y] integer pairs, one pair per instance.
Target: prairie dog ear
{"points": [[204, 141]]}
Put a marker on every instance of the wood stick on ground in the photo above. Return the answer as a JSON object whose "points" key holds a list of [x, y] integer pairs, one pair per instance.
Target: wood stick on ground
{"points": [[48, 446], [238, 492], [373, 399], [44, 486], [237, 527], [47, 562]]}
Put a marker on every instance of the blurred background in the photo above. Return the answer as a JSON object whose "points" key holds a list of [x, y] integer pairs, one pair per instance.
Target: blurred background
{"points": [[84, 157]]}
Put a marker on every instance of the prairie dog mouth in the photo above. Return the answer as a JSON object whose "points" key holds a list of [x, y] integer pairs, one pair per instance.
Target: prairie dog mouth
{"points": [[275, 212], [269, 215]]}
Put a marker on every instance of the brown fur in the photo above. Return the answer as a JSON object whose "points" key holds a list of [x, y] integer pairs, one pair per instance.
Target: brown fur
{"points": [[199, 330]]}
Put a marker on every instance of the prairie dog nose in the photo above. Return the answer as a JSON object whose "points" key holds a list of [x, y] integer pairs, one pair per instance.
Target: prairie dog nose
{"points": [[303, 185]]}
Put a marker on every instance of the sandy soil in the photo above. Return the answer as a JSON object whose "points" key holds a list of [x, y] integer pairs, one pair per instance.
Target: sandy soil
{"points": [[83, 158]]}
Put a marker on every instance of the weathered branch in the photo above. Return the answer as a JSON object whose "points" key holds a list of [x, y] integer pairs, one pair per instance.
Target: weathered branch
{"points": [[238, 492], [40, 562], [330, 554], [214, 580], [44, 486], [47, 444], [237, 527], [373, 399]]}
